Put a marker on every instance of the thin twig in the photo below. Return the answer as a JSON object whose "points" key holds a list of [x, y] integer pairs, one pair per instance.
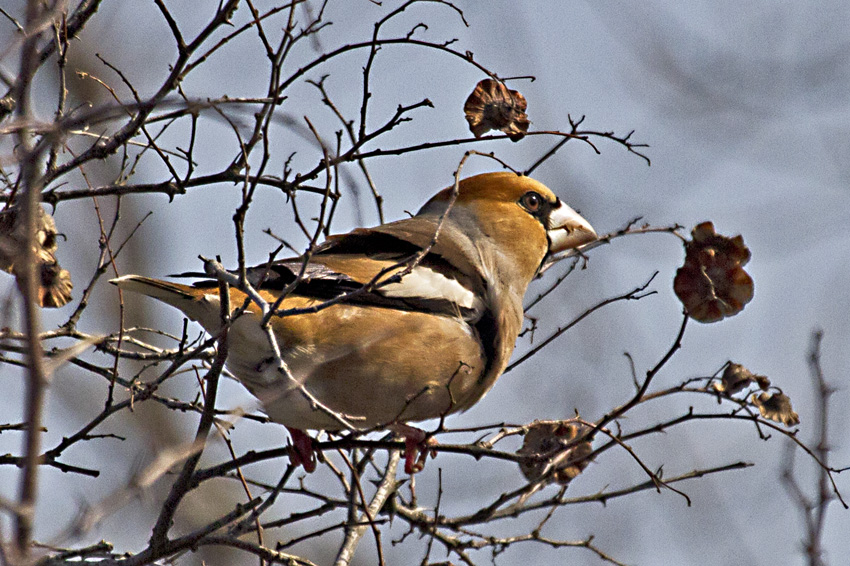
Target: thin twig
{"points": [[386, 488]]}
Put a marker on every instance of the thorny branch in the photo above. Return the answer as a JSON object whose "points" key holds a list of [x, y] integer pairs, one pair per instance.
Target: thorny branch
{"points": [[161, 124]]}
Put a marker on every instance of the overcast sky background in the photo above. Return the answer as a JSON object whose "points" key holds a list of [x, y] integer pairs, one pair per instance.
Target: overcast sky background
{"points": [[746, 109]]}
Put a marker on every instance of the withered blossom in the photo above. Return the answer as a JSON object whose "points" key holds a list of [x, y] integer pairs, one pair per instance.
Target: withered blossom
{"points": [[55, 288], [553, 443], [776, 407], [712, 283], [736, 378], [492, 106]]}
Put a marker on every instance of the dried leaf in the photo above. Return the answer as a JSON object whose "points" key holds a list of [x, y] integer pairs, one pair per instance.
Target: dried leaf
{"points": [[492, 106], [712, 283], [776, 407], [551, 444]]}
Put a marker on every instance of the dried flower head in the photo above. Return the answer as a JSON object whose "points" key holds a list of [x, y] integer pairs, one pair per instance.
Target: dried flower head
{"points": [[492, 106], [776, 407], [736, 378], [555, 444], [55, 290], [712, 283]]}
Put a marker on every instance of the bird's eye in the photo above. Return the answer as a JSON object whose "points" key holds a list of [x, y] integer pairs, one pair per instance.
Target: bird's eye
{"points": [[531, 202]]}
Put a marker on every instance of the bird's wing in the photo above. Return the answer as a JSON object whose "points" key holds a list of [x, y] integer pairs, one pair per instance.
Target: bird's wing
{"points": [[384, 260]]}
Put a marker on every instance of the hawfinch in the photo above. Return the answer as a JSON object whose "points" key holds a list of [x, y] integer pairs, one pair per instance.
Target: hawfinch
{"points": [[419, 346]]}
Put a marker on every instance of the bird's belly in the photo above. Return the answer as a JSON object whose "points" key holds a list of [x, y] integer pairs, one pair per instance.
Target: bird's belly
{"points": [[371, 366]]}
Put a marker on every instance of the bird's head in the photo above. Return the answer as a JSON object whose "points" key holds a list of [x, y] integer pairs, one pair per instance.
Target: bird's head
{"points": [[522, 218]]}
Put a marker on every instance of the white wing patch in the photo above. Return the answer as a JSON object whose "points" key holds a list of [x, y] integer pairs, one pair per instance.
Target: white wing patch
{"points": [[424, 282]]}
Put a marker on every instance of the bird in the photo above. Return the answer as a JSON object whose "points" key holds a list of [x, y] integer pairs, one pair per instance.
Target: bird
{"points": [[403, 322]]}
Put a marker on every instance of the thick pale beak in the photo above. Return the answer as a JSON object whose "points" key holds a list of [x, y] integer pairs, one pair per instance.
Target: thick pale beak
{"points": [[567, 229]]}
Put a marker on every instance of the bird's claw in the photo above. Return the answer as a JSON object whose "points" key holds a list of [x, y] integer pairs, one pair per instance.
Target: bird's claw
{"points": [[417, 446], [302, 452]]}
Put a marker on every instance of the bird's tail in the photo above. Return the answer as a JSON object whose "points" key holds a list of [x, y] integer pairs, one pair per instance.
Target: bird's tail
{"points": [[201, 305]]}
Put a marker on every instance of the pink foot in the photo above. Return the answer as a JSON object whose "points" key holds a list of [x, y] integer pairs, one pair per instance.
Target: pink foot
{"points": [[301, 452], [416, 446]]}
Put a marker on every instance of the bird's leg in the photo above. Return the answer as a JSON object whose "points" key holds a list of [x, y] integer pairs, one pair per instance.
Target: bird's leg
{"points": [[417, 445], [302, 451]]}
